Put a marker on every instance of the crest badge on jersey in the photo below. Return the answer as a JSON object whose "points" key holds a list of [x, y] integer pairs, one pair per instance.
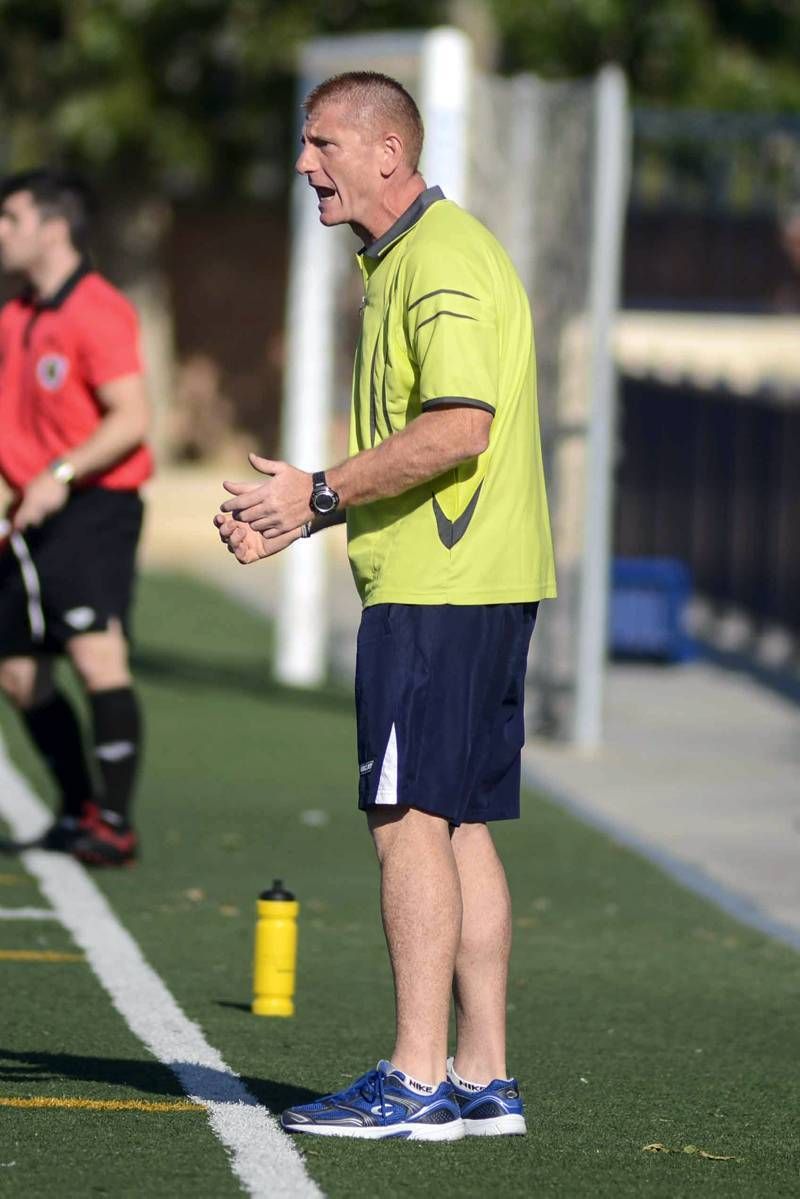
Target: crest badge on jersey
{"points": [[51, 371]]}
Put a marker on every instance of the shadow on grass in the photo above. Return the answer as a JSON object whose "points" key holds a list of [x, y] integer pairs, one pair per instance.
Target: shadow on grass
{"points": [[253, 678], [31, 1066]]}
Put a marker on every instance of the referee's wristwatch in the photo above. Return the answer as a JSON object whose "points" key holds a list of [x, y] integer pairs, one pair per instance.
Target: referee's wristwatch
{"points": [[323, 498], [62, 470]]}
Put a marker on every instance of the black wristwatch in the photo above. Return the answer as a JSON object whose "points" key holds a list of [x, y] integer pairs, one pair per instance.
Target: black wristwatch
{"points": [[323, 498]]}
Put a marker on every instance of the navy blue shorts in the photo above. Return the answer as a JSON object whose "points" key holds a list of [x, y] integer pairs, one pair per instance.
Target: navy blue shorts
{"points": [[440, 708]]}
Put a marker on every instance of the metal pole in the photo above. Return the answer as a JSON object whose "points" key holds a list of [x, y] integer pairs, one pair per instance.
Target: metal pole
{"points": [[525, 144], [445, 74], [611, 152]]}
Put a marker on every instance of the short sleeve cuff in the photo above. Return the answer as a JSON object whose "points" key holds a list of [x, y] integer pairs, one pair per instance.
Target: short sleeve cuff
{"points": [[458, 401]]}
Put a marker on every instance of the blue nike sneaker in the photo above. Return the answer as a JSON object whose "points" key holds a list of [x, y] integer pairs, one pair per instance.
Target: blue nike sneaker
{"points": [[383, 1103], [492, 1111]]}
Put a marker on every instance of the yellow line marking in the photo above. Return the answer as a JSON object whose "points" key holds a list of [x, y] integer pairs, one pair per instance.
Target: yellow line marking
{"points": [[106, 1105], [38, 955]]}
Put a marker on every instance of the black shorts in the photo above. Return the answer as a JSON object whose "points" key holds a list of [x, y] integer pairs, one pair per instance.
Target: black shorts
{"points": [[71, 575], [440, 708]]}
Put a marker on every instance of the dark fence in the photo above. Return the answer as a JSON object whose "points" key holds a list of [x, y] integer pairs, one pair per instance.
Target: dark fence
{"points": [[707, 261], [227, 271], [715, 481]]}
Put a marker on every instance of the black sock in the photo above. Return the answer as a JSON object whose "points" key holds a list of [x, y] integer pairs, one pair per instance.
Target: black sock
{"points": [[56, 733], [117, 737]]}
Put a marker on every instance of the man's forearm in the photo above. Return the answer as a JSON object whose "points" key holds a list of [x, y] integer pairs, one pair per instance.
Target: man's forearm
{"points": [[431, 444], [117, 435]]}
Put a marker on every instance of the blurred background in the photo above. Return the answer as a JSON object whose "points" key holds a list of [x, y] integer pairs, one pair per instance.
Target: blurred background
{"points": [[183, 113]]}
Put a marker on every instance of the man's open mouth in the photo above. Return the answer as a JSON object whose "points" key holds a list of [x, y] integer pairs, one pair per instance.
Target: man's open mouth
{"points": [[324, 193]]}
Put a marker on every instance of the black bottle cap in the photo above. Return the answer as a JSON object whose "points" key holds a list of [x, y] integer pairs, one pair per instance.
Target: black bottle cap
{"points": [[277, 892]]}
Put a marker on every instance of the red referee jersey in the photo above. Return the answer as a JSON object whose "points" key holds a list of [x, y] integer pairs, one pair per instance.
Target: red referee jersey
{"points": [[54, 354]]}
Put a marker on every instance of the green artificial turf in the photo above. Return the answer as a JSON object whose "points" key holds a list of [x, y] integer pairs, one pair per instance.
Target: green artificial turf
{"points": [[638, 1013]]}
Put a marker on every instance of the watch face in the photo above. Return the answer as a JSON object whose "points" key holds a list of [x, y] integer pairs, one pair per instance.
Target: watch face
{"points": [[324, 501]]}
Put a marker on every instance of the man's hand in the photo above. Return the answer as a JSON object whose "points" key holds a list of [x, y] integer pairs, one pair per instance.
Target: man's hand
{"points": [[248, 546], [43, 496], [276, 507]]}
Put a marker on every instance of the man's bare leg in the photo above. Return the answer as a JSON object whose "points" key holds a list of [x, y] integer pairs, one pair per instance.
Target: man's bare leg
{"points": [[101, 659], [421, 909], [481, 970], [27, 682]]}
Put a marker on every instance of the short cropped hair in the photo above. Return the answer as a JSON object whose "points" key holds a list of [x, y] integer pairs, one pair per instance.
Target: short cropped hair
{"points": [[374, 96], [56, 194]]}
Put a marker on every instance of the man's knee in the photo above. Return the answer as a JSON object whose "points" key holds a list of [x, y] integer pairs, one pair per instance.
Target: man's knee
{"points": [[395, 826], [101, 659], [27, 682]]}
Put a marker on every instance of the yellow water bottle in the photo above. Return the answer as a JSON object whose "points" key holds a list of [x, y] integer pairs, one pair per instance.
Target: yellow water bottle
{"points": [[275, 952]]}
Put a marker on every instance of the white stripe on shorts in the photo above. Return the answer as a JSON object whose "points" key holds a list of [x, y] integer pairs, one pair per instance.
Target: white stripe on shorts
{"points": [[32, 588], [387, 783]]}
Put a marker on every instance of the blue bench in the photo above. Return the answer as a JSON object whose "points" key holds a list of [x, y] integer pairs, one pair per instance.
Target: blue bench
{"points": [[647, 610]]}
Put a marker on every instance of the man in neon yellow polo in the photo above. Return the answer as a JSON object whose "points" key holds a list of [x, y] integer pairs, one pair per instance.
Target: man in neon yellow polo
{"points": [[446, 323], [449, 541]]}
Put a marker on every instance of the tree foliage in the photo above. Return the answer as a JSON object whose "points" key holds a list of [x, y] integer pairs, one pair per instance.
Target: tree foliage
{"points": [[724, 54], [197, 95], [189, 95]]}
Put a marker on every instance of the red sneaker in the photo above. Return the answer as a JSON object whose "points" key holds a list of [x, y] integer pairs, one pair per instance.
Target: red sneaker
{"points": [[101, 843]]}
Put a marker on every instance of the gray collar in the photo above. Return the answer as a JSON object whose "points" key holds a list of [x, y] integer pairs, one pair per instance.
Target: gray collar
{"points": [[404, 222]]}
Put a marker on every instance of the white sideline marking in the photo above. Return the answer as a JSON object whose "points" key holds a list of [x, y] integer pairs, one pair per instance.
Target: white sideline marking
{"points": [[27, 914], [262, 1157]]}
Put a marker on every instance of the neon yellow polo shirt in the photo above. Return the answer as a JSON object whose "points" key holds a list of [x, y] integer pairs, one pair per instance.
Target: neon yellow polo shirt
{"points": [[446, 320]]}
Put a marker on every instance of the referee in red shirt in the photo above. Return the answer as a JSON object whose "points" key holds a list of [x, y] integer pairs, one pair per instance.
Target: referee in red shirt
{"points": [[74, 415]]}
